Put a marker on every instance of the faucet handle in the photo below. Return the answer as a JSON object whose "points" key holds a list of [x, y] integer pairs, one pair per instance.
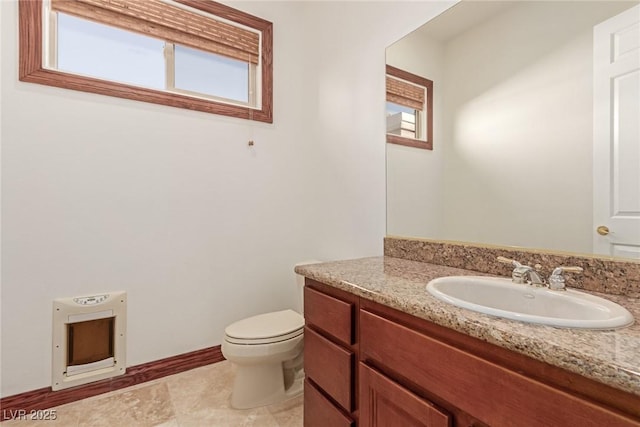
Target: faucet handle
{"points": [[560, 270], [556, 280], [504, 260]]}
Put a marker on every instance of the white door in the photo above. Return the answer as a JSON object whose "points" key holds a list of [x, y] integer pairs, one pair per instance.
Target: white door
{"points": [[616, 152]]}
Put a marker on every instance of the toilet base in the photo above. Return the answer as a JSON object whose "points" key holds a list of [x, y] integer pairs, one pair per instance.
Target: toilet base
{"points": [[261, 385]]}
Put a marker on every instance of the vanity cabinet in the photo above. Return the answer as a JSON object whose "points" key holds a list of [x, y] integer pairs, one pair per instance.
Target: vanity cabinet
{"points": [[330, 356], [389, 368], [474, 382]]}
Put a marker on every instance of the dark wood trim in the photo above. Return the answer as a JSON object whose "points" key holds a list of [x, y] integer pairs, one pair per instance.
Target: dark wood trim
{"points": [[413, 142], [266, 113], [31, 67], [409, 142], [30, 37], [46, 398]]}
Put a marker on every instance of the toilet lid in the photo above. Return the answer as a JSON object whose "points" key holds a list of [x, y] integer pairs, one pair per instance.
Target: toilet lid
{"points": [[269, 325]]}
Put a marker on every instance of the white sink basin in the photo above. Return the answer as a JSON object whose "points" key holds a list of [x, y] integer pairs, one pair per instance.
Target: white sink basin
{"points": [[503, 298]]}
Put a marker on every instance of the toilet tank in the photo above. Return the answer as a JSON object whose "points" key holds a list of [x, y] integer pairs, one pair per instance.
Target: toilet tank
{"points": [[300, 286]]}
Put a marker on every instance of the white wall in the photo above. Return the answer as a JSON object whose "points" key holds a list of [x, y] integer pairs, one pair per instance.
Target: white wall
{"points": [[172, 206]]}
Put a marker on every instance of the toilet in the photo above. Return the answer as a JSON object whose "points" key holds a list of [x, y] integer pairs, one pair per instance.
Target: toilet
{"points": [[267, 353]]}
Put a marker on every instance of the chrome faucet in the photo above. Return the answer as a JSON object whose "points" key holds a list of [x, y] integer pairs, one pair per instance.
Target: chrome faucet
{"points": [[523, 274], [556, 280], [526, 274]]}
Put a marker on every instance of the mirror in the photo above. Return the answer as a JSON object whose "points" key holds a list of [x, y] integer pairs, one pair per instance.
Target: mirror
{"points": [[513, 114]]}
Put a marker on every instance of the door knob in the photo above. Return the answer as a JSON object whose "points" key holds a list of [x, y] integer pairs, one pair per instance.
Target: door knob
{"points": [[603, 230]]}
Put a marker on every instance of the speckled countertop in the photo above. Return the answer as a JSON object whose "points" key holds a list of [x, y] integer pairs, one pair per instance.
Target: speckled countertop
{"points": [[611, 357]]}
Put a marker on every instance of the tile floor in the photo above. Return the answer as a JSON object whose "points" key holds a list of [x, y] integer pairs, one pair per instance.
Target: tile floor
{"points": [[196, 398]]}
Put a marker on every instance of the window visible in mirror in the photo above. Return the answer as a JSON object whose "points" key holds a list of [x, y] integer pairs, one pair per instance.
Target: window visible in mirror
{"points": [[409, 109], [401, 121]]}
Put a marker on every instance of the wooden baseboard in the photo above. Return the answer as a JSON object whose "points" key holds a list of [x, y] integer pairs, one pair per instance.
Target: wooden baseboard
{"points": [[46, 398]]}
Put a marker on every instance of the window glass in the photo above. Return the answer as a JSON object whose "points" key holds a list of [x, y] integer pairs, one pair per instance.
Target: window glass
{"points": [[402, 120], [211, 74], [97, 50]]}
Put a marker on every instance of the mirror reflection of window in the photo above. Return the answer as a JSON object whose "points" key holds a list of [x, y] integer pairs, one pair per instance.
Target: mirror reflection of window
{"points": [[409, 109], [401, 120]]}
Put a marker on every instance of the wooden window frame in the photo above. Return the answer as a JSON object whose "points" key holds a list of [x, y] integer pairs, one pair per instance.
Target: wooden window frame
{"points": [[31, 67], [428, 84]]}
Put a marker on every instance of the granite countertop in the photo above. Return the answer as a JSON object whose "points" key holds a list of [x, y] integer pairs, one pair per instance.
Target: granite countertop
{"points": [[611, 357]]}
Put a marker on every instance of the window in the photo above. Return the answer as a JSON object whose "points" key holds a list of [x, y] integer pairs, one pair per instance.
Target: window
{"points": [[193, 54], [409, 109]]}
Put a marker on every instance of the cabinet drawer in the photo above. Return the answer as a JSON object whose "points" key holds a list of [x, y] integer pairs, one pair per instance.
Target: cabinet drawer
{"points": [[495, 395], [320, 412], [384, 402], [330, 314], [330, 367]]}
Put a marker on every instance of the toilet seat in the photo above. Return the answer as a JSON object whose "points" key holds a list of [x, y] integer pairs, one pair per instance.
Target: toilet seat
{"points": [[266, 328]]}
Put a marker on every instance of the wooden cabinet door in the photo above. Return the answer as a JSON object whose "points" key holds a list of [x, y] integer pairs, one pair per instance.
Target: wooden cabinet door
{"points": [[384, 403], [320, 412]]}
